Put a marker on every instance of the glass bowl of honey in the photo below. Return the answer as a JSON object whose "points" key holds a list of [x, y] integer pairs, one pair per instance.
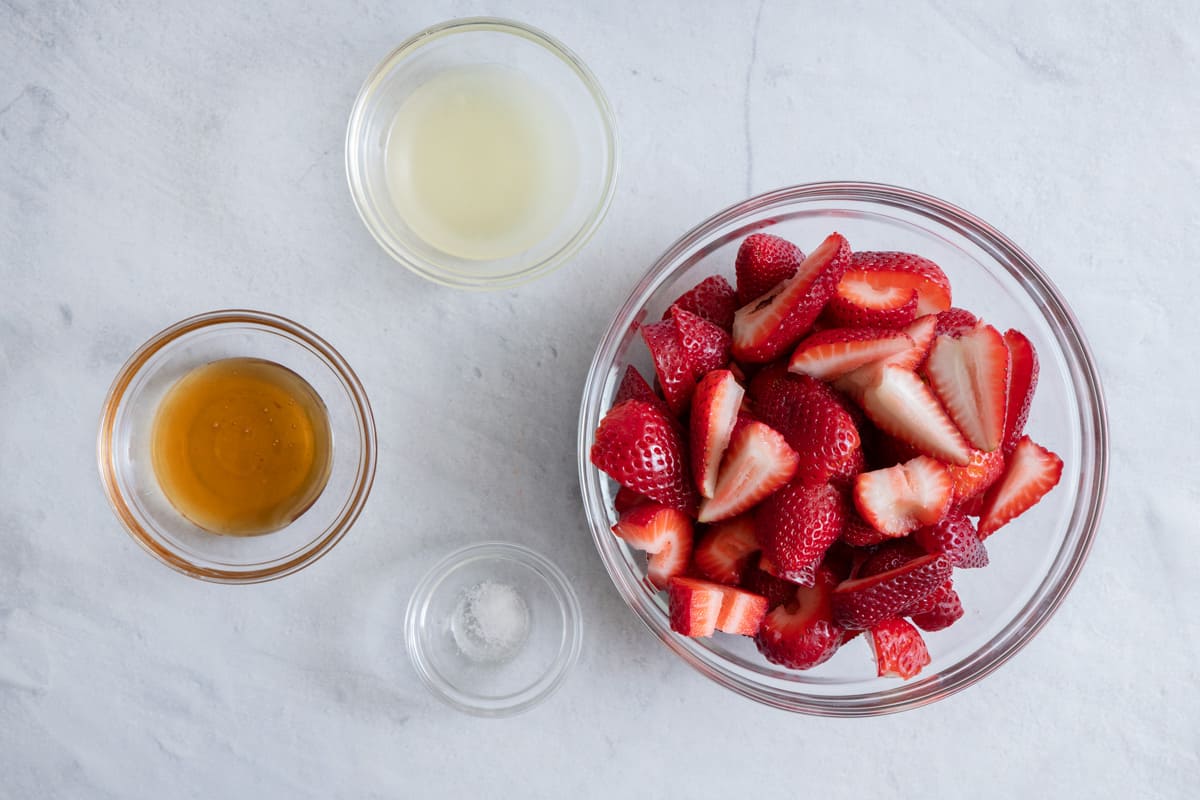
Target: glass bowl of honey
{"points": [[481, 153], [237, 446]]}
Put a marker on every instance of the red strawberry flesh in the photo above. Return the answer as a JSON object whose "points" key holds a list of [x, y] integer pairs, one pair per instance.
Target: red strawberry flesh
{"points": [[641, 448], [1022, 384], [723, 553], [814, 421], [832, 353], [1032, 471], [969, 374], [905, 270], [713, 299], [763, 262], [715, 405], [899, 650], [757, 462], [865, 602], [797, 525], [674, 369], [802, 634]]}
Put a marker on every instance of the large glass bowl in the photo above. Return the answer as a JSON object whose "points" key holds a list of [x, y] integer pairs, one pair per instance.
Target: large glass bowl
{"points": [[1034, 560]]}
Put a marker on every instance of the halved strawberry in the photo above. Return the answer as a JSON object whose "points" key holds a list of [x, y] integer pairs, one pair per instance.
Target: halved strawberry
{"points": [[955, 535], [898, 648], [969, 374], [1022, 383], [902, 405], [832, 353], [693, 606], [698, 607], [757, 462], [672, 365], [976, 477], [776, 590], [1032, 471], [741, 612], [906, 271], [944, 609], [865, 602], [641, 448], [921, 331], [763, 262], [626, 499], [814, 421], [665, 534], [712, 299], [705, 344], [768, 326], [722, 554], [634, 387], [898, 500], [860, 304], [796, 525], [802, 634], [955, 320], [715, 405]]}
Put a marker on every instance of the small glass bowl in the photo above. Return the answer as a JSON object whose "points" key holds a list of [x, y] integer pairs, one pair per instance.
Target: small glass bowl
{"points": [[123, 447], [462, 42], [535, 670], [1034, 560]]}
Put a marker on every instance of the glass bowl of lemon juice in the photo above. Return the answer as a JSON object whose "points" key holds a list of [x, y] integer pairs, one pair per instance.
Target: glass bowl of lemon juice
{"points": [[481, 153]]}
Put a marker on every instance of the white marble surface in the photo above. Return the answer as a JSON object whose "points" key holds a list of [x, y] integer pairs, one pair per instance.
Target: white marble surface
{"points": [[163, 158]]}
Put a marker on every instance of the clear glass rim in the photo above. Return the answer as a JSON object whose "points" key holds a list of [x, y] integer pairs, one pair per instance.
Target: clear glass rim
{"points": [[1082, 527], [147, 537], [428, 269], [556, 672]]}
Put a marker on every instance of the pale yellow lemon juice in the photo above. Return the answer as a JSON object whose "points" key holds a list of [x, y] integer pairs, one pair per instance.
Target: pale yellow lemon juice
{"points": [[481, 162]]}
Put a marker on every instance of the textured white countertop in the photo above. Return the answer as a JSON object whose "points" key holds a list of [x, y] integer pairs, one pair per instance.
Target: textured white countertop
{"points": [[159, 159]]}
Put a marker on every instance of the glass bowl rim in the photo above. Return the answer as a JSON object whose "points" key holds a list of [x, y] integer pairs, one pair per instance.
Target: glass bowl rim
{"points": [[426, 268], [556, 671], [1049, 594], [146, 536]]}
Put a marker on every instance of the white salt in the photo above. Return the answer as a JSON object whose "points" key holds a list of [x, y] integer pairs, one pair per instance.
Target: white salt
{"points": [[491, 622]]}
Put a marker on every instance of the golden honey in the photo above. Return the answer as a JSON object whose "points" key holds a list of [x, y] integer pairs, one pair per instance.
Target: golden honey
{"points": [[241, 446]]}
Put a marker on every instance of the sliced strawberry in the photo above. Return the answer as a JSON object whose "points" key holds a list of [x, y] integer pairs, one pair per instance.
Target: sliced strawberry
{"points": [[976, 477], [969, 374], [956, 537], [674, 369], [813, 420], [860, 304], [634, 387], [972, 507], [796, 525], [906, 271], [921, 331], [763, 262], [955, 320], [1032, 471], [865, 602], [627, 499], [705, 344], [776, 590], [832, 353], [641, 448], [723, 553], [899, 650], [898, 500], [902, 405], [857, 533], [741, 612], [697, 608], [712, 299], [802, 634], [757, 462], [715, 405], [1023, 379], [665, 534], [768, 326], [945, 608], [694, 606]]}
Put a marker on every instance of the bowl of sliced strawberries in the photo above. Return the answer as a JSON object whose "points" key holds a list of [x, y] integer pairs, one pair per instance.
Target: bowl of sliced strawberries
{"points": [[844, 448]]}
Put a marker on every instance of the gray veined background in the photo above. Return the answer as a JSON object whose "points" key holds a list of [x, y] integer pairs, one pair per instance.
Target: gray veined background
{"points": [[160, 159]]}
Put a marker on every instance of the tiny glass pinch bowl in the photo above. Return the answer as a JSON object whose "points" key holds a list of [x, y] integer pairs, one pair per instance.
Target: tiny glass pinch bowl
{"points": [[472, 42], [1034, 559], [127, 471], [518, 679]]}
